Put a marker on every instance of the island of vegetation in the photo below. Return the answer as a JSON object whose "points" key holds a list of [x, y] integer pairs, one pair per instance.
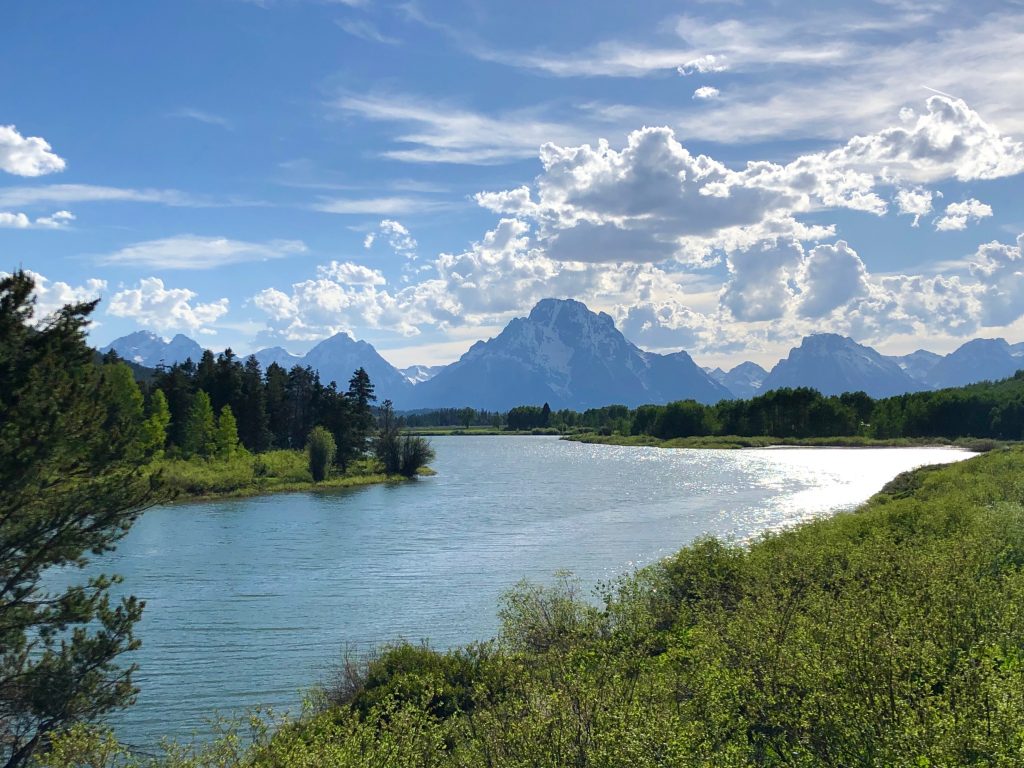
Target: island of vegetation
{"points": [[892, 635]]}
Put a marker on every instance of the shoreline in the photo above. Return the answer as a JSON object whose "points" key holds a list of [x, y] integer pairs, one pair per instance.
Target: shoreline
{"points": [[336, 483], [735, 442]]}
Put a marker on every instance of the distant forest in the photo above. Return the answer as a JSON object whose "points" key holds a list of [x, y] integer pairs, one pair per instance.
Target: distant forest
{"points": [[983, 410], [188, 404]]}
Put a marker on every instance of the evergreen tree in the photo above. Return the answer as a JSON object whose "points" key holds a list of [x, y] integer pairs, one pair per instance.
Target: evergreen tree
{"points": [[360, 392], [200, 431], [71, 486], [226, 438], [157, 421], [253, 424], [277, 405]]}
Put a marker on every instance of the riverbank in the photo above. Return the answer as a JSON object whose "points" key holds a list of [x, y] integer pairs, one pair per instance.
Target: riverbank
{"points": [[729, 442], [476, 431], [889, 635], [261, 474]]}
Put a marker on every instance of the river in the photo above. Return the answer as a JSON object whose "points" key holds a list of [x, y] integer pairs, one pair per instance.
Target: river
{"points": [[251, 601]]}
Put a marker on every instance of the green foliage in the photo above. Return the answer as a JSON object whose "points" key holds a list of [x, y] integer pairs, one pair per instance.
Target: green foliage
{"points": [[226, 437], [892, 635], [200, 429], [71, 445], [320, 449], [157, 422], [986, 411], [399, 454]]}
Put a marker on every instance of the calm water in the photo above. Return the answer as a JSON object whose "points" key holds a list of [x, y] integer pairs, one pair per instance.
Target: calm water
{"points": [[251, 601]]}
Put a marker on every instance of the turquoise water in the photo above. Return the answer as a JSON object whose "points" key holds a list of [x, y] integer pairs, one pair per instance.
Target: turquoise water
{"points": [[250, 602]]}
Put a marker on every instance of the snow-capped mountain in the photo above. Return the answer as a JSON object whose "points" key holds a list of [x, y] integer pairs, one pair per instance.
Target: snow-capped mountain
{"points": [[565, 355], [977, 360], [918, 365], [150, 350], [834, 364], [338, 356], [744, 380], [417, 374]]}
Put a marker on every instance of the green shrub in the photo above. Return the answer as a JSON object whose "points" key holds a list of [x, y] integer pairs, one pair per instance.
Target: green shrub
{"points": [[320, 448]]}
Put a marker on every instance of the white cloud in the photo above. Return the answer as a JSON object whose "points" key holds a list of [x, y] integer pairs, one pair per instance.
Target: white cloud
{"points": [[916, 202], [440, 133], [703, 65], [14, 220], [26, 156], [948, 140], [759, 287], [1000, 270], [56, 220], [957, 215], [397, 236], [350, 273], [379, 206], [831, 276], [706, 92], [88, 193], [198, 252], [51, 296], [152, 305], [364, 29]]}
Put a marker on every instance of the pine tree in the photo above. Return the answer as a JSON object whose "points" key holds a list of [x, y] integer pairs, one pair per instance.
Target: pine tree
{"points": [[73, 481], [360, 393], [253, 424], [277, 404], [157, 421], [200, 430], [227, 434]]}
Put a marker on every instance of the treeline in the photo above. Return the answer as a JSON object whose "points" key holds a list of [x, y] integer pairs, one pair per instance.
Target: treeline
{"points": [[452, 417], [204, 409], [984, 410]]}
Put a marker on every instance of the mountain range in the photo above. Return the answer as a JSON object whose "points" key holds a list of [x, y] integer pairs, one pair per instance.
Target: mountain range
{"points": [[570, 357]]}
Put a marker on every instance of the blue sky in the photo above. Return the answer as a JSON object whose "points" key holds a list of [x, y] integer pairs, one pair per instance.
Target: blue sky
{"points": [[723, 177]]}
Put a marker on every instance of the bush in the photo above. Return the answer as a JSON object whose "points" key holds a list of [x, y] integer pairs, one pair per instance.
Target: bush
{"points": [[320, 448], [415, 453]]}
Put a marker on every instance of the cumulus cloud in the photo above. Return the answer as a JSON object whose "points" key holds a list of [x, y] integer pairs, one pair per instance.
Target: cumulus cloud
{"points": [[759, 286], [957, 215], [948, 140], [916, 201], [152, 304], [830, 277], [57, 220], [654, 200], [1000, 270], [706, 92], [703, 65], [26, 156], [397, 237], [53, 295], [198, 252]]}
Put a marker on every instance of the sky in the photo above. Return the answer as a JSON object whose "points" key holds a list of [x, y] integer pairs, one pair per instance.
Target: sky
{"points": [[723, 177]]}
